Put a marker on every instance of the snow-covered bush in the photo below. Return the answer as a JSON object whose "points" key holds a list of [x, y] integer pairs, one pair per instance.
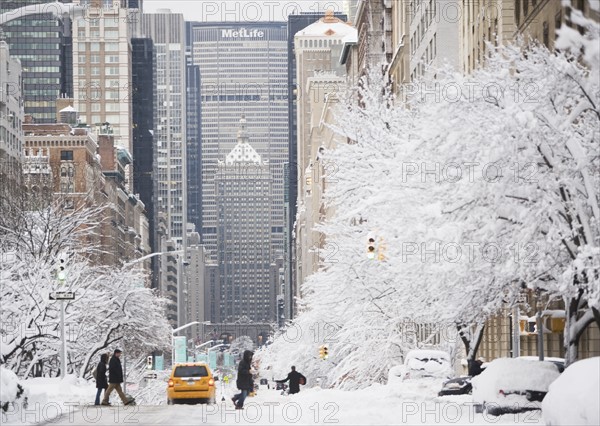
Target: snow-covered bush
{"points": [[11, 391]]}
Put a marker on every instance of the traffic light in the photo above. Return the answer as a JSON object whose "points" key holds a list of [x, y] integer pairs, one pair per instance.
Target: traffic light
{"points": [[149, 363], [61, 273], [322, 352], [371, 248], [325, 353]]}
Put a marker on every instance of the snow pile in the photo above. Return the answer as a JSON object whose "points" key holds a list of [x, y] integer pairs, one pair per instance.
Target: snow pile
{"points": [[10, 389], [48, 399], [574, 397], [512, 374]]}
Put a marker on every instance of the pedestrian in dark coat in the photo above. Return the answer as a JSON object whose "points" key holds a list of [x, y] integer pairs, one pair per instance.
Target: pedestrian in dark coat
{"points": [[294, 378], [115, 378], [244, 382], [101, 381]]}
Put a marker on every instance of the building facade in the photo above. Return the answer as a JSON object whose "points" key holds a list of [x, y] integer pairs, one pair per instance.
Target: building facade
{"points": [[102, 82], [434, 39], [11, 120], [243, 234], [320, 79], [43, 43], [80, 167], [294, 25], [243, 69]]}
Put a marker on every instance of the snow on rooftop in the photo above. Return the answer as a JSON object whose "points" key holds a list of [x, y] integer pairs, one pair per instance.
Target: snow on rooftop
{"points": [[329, 25]]}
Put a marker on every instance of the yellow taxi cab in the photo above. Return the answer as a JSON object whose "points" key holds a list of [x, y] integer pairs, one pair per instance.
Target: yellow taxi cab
{"points": [[191, 382]]}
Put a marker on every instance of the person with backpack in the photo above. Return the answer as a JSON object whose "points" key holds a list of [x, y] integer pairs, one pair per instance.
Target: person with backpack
{"points": [[100, 376], [296, 379], [244, 382], [115, 378]]}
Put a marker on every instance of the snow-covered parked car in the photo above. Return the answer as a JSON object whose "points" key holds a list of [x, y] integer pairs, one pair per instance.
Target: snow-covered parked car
{"points": [[11, 391], [420, 363], [573, 398], [513, 385]]}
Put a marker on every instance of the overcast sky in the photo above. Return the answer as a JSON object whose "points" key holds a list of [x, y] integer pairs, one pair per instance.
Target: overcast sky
{"points": [[240, 10]]}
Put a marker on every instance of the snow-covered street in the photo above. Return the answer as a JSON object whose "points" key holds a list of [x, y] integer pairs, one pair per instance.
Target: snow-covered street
{"points": [[377, 404]]}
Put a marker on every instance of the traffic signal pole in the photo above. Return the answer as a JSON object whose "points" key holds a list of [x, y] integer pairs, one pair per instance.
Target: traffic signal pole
{"points": [[63, 344]]}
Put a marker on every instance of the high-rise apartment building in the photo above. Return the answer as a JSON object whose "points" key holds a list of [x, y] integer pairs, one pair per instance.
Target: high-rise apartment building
{"points": [[167, 31], [244, 234], [102, 82], [243, 69], [43, 43]]}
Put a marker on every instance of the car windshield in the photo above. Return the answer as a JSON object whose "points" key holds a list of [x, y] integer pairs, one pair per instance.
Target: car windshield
{"points": [[190, 371]]}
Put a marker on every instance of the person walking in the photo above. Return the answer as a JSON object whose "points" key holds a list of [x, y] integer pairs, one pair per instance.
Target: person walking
{"points": [[115, 378], [244, 382], [296, 379], [101, 380]]}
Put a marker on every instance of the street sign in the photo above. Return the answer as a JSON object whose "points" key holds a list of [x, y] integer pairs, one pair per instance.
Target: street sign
{"points": [[62, 295]]}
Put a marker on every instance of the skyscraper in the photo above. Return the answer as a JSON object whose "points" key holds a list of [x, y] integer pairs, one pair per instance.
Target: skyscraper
{"points": [[167, 31], [43, 44], [243, 233], [194, 152], [143, 64], [243, 69]]}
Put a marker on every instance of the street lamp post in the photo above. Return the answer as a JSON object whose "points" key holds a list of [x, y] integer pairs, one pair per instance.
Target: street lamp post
{"points": [[175, 330]]}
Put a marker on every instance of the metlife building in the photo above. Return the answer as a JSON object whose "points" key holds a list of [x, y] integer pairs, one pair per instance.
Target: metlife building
{"points": [[243, 70]]}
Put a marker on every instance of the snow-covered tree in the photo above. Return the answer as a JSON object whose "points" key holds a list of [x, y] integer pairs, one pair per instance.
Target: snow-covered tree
{"points": [[241, 344], [111, 307], [478, 188]]}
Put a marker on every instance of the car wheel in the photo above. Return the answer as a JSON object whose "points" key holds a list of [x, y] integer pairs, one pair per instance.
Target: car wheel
{"points": [[170, 402]]}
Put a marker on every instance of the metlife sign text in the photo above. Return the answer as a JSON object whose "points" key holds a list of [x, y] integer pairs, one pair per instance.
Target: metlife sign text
{"points": [[242, 33]]}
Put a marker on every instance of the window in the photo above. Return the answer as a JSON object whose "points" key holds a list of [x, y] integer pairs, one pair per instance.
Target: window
{"points": [[517, 12], [557, 20], [546, 35], [66, 155]]}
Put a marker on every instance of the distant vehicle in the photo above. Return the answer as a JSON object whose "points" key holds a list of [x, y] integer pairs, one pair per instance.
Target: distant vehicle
{"points": [[513, 385], [457, 386], [461, 385], [421, 363], [191, 382]]}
